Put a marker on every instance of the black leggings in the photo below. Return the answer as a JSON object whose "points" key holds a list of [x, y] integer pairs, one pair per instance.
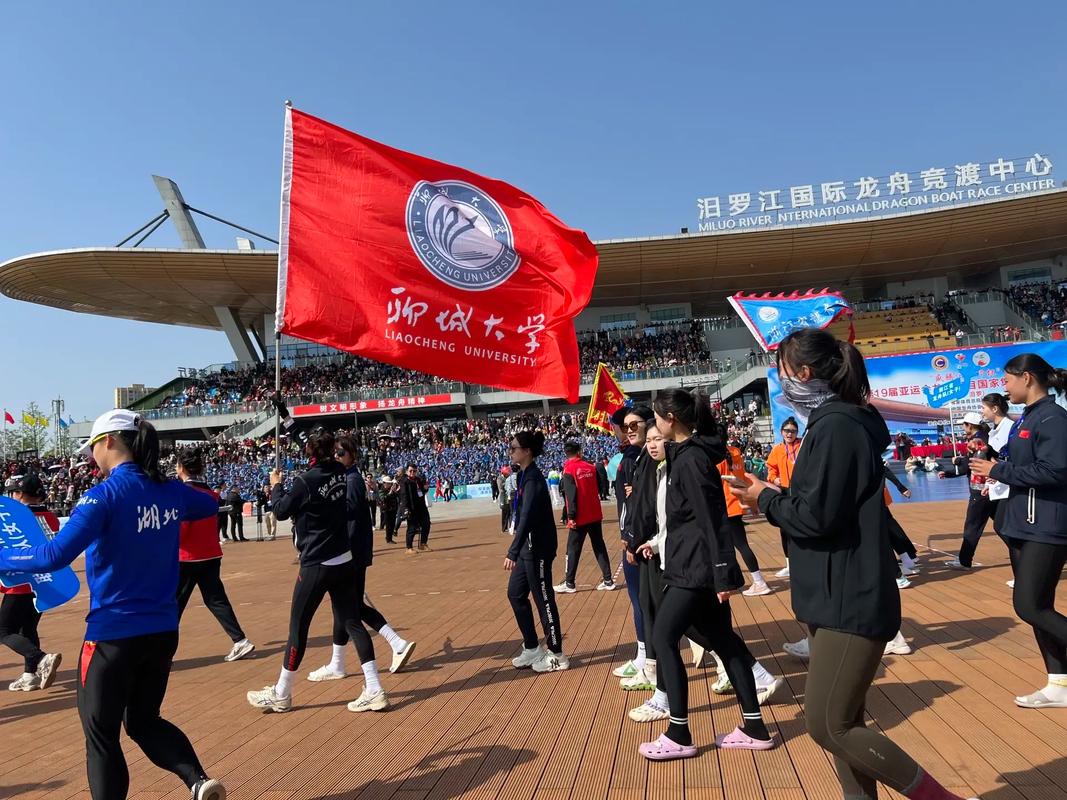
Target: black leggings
{"points": [[532, 576], [18, 629], [368, 614], [1037, 568], [841, 670], [735, 526], [122, 683], [700, 609], [205, 574], [344, 583], [575, 542], [651, 598], [980, 509]]}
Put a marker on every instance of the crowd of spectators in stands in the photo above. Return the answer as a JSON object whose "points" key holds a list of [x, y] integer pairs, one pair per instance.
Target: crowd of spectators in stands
{"points": [[1044, 301], [656, 346], [67, 478]]}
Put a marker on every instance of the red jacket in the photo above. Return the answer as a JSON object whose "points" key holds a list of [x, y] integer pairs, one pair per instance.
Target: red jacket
{"points": [[581, 490], [49, 522], [199, 540]]}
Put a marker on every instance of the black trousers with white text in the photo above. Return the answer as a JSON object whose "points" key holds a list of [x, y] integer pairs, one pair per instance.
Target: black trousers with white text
{"points": [[533, 576]]}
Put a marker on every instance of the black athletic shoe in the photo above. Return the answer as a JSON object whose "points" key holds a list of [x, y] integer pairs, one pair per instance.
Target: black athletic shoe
{"points": [[208, 789]]}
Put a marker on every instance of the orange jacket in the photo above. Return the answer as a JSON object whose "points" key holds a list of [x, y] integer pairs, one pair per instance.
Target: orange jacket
{"points": [[736, 468], [780, 463]]}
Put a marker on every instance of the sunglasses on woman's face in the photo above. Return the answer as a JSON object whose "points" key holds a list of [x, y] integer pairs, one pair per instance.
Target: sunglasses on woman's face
{"points": [[633, 427], [793, 431]]}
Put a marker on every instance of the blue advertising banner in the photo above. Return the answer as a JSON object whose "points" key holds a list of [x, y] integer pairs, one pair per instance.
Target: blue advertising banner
{"points": [[20, 528], [918, 392]]}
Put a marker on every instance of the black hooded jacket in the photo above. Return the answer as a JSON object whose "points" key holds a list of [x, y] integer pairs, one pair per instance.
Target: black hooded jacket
{"points": [[318, 507], [841, 566], [535, 527], [360, 529], [698, 555], [640, 518]]}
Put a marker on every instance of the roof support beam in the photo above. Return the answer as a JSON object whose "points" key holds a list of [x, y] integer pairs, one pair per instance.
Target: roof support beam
{"points": [[179, 213], [237, 335]]}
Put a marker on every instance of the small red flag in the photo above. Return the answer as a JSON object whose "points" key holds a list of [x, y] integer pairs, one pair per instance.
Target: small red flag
{"points": [[607, 398], [10, 420], [425, 265]]}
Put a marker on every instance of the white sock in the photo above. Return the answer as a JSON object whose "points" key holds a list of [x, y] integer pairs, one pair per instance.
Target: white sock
{"points": [[720, 668], [639, 660], [28, 674], [659, 699], [907, 561], [757, 577], [370, 676], [650, 667], [763, 678], [284, 686], [394, 640], [337, 662]]}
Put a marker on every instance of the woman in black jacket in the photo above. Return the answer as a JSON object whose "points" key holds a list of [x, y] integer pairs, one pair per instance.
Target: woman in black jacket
{"points": [[1033, 518], [529, 559], [318, 505], [699, 574], [361, 540], [842, 567], [979, 506]]}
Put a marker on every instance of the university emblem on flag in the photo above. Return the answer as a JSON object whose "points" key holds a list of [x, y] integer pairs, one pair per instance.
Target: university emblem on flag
{"points": [[461, 235]]}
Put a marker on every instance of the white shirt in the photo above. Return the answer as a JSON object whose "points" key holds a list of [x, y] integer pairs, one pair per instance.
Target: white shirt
{"points": [[998, 438], [659, 541]]}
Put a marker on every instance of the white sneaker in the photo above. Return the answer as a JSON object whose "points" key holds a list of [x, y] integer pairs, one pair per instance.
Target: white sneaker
{"points": [[898, 647], [955, 564], [799, 649], [551, 662], [722, 685], [208, 789], [604, 586], [47, 668], [627, 670], [765, 693], [401, 659], [782, 573], [269, 700], [27, 682], [757, 590], [648, 712], [563, 588], [240, 650], [326, 673], [1011, 583], [368, 701], [909, 571], [642, 681], [903, 583], [527, 658]]}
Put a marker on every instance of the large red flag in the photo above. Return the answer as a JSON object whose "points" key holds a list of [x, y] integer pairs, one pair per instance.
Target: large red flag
{"points": [[425, 265]]}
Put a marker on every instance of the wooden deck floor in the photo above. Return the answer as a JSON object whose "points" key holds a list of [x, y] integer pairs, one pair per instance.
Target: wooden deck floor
{"points": [[465, 724]]}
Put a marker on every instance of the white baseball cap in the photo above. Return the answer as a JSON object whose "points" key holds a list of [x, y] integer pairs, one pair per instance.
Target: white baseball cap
{"points": [[973, 418], [118, 419]]}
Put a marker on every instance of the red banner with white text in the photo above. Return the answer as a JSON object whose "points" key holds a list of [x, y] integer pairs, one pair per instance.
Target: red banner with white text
{"points": [[427, 266]]}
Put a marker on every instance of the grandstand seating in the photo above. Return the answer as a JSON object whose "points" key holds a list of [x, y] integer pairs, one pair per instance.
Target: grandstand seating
{"points": [[899, 330]]}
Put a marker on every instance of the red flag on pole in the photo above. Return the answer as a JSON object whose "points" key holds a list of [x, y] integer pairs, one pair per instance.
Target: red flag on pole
{"points": [[425, 265], [10, 420], [607, 398]]}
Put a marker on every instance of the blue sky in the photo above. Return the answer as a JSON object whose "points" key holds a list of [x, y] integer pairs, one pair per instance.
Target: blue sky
{"points": [[616, 115]]}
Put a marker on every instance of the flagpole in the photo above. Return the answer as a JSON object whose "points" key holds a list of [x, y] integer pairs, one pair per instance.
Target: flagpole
{"points": [[283, 253], [278, 394]]}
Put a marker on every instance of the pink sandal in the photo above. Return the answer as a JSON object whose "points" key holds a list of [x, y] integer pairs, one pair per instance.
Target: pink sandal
{"points": [[739, 740], [663, 749]]}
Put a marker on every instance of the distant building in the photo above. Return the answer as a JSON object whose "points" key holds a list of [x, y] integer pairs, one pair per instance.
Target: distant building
{"points": [[127, 395]]}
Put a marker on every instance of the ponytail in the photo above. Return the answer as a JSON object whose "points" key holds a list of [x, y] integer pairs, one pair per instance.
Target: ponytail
{"points": [[144, 448], [997, 402]]}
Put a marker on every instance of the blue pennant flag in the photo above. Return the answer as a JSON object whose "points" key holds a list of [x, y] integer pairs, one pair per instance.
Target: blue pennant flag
{"points": [[770, 318], [63, 423], [19, 527]]}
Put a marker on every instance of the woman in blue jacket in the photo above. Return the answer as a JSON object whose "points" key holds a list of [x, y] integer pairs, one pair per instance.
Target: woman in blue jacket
{"points": [[128, 527], [1033, 520]]}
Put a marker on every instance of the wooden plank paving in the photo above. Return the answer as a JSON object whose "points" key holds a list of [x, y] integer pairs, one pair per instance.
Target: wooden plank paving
{"points": [[465, 724]]}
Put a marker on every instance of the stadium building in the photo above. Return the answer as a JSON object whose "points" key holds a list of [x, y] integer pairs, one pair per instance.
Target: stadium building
{"points": [[937, 248]]}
